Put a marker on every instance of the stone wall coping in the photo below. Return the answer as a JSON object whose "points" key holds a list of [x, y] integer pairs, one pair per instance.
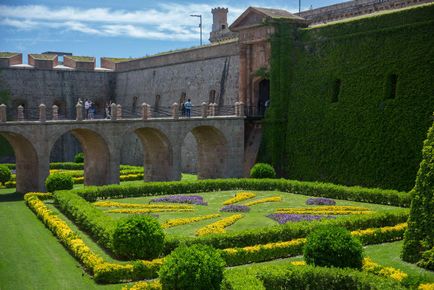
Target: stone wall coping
{"points": [[107, 121]]}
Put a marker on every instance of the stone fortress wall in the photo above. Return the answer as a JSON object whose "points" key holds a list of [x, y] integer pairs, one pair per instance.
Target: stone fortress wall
{"points": [[30, 87], [205, 74], [210, 73]]}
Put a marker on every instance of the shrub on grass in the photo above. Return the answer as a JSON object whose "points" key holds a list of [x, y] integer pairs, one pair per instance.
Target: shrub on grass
{"points": [[59, 181], [5, 174], [419, 236], [262, 170], [138, 237], [427, 260], [196, 267], [79, 157], [333, 247]]}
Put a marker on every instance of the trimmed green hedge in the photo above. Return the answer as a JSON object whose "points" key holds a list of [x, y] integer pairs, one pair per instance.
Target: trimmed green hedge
{"points": [[355, 193], [364, 138], [279, 250], [303, 277], [74, 204], [333, 247], [92, 220], [80, 166]]}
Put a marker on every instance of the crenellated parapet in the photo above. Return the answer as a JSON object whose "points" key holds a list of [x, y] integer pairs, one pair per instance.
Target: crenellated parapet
{"points": [[79, 62], [10, 58], [43, 61]]}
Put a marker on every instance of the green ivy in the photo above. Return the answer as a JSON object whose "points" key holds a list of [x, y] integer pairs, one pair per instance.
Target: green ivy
{"points": [[363, 138]]}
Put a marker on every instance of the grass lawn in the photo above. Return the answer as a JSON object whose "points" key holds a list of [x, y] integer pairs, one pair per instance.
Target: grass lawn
{"points": [[30, 256], [254, 219]]}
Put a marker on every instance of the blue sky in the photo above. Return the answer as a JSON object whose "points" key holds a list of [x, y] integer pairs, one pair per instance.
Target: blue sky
{"points": [[128, 28]]}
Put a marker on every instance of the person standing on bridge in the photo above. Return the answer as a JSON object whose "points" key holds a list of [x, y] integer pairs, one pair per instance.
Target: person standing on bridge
{"points": [[187, 106]]}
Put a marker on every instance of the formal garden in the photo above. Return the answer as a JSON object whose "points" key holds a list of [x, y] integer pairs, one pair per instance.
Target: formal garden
{"points": [[253, 233], [256, 233]]}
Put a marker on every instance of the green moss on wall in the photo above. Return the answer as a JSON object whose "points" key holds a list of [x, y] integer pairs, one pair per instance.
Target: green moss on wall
{"points": [[355, 135]]}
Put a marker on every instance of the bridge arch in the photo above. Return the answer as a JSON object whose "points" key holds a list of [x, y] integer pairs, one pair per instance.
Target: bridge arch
{"points": [[98, 167], [158, 155], [28, 173], [212, 150]]}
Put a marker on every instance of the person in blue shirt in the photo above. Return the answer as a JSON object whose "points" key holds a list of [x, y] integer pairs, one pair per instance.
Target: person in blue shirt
{"points": [[187, 106]]}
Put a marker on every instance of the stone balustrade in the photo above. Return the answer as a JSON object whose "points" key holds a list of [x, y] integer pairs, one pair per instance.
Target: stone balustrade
{"points": [[203, 111]]}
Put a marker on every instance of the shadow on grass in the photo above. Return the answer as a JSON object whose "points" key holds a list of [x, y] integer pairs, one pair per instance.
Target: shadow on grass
{"points": [[8, 197]]}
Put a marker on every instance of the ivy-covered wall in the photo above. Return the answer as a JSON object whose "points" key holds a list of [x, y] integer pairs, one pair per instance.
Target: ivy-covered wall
{"points": [[351, 102]]}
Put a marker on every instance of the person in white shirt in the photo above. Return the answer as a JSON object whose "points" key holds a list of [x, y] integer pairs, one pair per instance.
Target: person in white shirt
{"points": [[87, 104]]}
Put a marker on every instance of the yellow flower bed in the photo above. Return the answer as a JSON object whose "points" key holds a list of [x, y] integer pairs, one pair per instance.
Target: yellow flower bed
{"points": [[138, 205], [103, 271], [269, 246], [373, 231], [427, 286], [144, 285], [239, 197], [264, 200], [183, 221], [298, 263], [388, 272], [219, 226], [148, 210], [326, 210], [63, 232]]}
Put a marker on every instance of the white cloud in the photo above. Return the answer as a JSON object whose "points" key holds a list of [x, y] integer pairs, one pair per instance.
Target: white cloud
{"points": [[169, 21]]}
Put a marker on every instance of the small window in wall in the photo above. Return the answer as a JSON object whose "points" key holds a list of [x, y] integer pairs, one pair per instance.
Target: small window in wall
{"points": [[182, 98], [391, 83], [134, 104], [211, 97], [223, 26], [157, 102], [336, 91]]}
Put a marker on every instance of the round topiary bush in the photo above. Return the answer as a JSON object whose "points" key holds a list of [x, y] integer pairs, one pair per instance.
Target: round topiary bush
{"points": [[59, 181], [198, 267], [5, 174], [333, 247], [79, 157], [262, 170], [138, 237]]}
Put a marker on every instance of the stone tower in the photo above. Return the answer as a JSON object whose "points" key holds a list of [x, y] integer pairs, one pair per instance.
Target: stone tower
{"points": [[220, 30], [220, 19]]}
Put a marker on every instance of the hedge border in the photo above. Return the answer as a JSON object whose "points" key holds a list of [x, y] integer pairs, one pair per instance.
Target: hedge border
{"points": [[227, 240], [306, 277], [103, 272]]}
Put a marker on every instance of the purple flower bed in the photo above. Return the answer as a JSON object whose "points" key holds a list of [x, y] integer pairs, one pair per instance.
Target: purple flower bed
{"points": [[283, 218], [190, 199], [320, 201], [235, 208]]}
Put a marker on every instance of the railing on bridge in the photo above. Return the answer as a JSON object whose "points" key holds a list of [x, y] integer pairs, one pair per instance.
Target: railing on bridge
{"points": [[117, 112]]}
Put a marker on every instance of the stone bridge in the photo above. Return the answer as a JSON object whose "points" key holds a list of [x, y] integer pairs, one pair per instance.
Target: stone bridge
{"points": [[220, 146]]}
